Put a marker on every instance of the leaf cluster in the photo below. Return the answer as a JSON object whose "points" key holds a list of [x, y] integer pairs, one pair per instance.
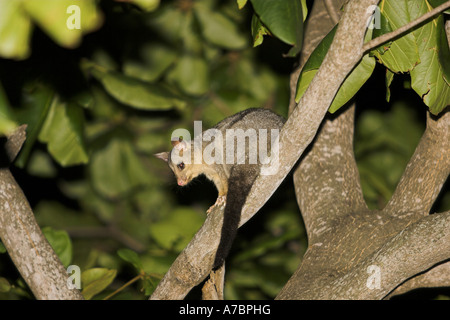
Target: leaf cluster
{"points": [[423, 53]]}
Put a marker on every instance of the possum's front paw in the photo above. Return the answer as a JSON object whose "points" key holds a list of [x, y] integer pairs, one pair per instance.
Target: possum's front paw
{"points": [[221, 200]]}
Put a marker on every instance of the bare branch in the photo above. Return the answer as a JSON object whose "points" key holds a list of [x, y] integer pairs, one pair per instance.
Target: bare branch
{"points": [[438, 276], [302, 125], [26, 245], [14, 142], [213, 288], [329, 170], [413, 250], [426, 172], [194, 263], [331, 10]]}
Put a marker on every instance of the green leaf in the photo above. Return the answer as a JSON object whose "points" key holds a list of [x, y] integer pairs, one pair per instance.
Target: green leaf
{"points": [[15, 31], [134, 92], [50, 213], [258, 31], [63, 133], [95, 280], [313, 64], [304, 10], [131, 257], [60, 242], [403, 54], [190, 37], [265, 244], [284, 19], [168, 22], [241, 3], [389, 78], [176, 230], [37, 102], [436, 3], [7, 118], [316, 58], [4, 285], [384, 143], [158, 262], [41, 165], [149, 284], [304, 80], [444, 54], [384, 27], [58, 19], [219, 29], [154, 61], [354, 81], [2, 247], [428, 77], [191, 74], [116, 169], [146, 5]]}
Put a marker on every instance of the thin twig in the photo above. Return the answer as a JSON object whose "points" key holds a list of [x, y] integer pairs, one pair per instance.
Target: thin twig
{"points": [[139, 276], [391, 35]]}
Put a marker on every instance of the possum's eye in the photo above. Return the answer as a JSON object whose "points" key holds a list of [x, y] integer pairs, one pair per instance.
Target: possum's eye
{"points": [[181, 165]]}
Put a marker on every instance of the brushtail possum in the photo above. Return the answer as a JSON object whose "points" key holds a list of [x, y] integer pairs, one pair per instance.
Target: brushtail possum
{"points": [[233, 167]]}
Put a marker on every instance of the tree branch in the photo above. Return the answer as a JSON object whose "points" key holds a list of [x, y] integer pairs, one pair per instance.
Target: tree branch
{"points": [[413, 250], [438, 276], [327, 179], [27, 246], [302, 125], [407, 27], [213, 288], [194, 263], [319, 24], [426, 171], [336, 246], [334, 16]]}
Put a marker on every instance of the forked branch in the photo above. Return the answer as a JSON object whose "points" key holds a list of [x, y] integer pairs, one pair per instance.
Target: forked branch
{"points": [[415, 249], [296, 135], [426, 171]]}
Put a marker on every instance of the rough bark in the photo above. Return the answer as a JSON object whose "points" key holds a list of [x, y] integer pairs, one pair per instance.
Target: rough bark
{"points": [[194, 263], [438, 276], [406, 245], [26, 245], [403, 241]]}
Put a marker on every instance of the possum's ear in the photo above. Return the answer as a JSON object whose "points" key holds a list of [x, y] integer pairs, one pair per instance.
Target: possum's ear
{"points": [[163, 156], [180, 144], [176, 141]]}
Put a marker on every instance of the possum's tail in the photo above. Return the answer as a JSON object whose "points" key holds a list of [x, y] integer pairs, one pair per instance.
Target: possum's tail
{"points": [[240, 183]]}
